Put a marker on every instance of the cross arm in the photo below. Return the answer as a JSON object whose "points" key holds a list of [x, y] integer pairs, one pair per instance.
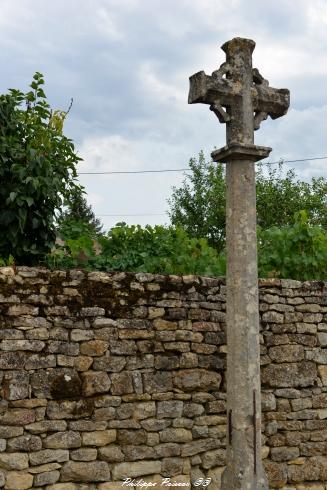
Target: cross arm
{"points": [[208, 90], [272, 101]]}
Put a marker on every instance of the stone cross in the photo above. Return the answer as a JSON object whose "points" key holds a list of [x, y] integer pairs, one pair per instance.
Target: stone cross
{"points": [[241, 98]]}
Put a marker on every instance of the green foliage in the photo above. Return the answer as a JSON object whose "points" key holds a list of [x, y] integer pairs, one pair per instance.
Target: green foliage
{"points": [[199, 204], [281, 197], [298, 251], [78, 219], [157, 249], [10, 261], [37, 172]]}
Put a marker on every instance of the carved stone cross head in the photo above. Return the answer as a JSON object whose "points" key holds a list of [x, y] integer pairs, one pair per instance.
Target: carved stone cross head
{"points": [[238, 94]]}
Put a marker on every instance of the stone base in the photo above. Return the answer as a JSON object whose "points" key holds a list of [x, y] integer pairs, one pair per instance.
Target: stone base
{"points": [[246, 480]]}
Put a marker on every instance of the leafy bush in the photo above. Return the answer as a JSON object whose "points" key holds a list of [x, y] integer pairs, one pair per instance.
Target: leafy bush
{"points": [[298, 251], [157, 249], [37, 173]]}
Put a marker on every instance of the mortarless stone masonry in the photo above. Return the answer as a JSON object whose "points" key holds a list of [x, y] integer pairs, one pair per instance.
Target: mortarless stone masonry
{"points": [[109, 376]]}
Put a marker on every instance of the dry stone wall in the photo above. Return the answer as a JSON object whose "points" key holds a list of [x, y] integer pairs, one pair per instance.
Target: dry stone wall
{"points": [[105, 377]]}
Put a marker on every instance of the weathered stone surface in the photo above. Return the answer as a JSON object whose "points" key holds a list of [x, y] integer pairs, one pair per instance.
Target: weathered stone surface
{"points": [[114, 364], [18, 480], [48, 456], [282, 454], [289, 374], [99, 437], [47, 478], [69, 409], [286, 353], [199, 446], [15, 385], [170, 409], [132, 470], [128, 437], [95, 382], [13, 461], [19, 416], [95, 471], [158, 382], [111, 454], [154, 395], [56, 383], [195, 379], [63, 440], [94, 348], [175, 435], [46, 426], [84, 454], [276, 472], [27, 443], [121, 383]]}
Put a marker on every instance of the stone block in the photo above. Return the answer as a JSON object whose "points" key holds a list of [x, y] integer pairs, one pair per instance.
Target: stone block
{"points": [[95, 471], [300, 374], [111, 454], [95, 382], [46, 426], [63, 440], [16, 480], [283, 454], [94, 348], [134, 453], [84, 454], [197, 379], [13, 461], [169, 409], [114, 364], [121, 383], [175, 435], [27, 443], [99, 437], [268, 402], [129, 437], [15, 385], [286, 353], [276, 472], [158, 382], [136, 469], [47, 478], [49, 456], [19, 416]]}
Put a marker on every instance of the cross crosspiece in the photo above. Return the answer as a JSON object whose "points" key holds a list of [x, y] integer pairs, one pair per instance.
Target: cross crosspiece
{"points": [[241, 98]]}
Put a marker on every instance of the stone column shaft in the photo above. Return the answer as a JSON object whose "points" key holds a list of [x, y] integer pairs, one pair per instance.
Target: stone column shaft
{"points": [[244, 468]]}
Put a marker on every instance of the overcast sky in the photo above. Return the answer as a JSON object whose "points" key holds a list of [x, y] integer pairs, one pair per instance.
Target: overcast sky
{"points": [[126, 63]]}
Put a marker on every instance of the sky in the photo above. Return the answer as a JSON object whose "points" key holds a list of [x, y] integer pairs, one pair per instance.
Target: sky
{"points": [[126, 63]]}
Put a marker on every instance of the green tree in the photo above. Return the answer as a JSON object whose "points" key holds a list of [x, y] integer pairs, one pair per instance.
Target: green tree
{"points": [[78, 219], [199, 204], [37, 172]]}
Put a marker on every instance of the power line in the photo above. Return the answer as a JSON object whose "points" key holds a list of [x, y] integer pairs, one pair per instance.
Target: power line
{"points": [[136, 171], [123, 172], [123, 215]]}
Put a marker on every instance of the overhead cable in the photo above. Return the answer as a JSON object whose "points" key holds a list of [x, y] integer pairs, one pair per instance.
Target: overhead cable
{"points": [[122, 172]]}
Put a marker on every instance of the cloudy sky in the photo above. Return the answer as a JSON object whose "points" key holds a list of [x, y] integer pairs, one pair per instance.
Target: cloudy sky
{"points": [[126, 63]]}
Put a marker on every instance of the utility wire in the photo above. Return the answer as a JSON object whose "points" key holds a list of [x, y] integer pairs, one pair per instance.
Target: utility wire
{"points": [[280, 161], [136, 171], [123, 215]]}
